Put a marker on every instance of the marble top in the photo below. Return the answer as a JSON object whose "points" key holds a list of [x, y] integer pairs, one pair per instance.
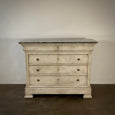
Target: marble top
{"points": [[58, 40]]}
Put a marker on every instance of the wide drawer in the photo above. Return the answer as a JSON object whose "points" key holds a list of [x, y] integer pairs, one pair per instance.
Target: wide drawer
{"points": [[50, 59], [58, 81], [58, 70]]}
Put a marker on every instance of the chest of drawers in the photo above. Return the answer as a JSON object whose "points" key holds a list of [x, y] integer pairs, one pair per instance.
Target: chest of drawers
{"points": [[58, 66]]}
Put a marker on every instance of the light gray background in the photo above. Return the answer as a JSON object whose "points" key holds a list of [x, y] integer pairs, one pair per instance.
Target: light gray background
{"points": [[21, 19]]}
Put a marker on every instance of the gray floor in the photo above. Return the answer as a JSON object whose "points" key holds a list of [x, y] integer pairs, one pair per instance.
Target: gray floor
{"points": [[13, 103]]}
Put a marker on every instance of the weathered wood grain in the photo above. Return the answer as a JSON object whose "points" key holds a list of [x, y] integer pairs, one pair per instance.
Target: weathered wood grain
{"points": [[58, 68]]}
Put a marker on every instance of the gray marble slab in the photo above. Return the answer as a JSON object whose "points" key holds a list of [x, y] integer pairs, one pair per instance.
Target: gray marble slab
{"points": [[58, 40]]}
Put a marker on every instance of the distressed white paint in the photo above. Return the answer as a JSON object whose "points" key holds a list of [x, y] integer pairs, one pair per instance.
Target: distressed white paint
{"points": [[42, 77]]}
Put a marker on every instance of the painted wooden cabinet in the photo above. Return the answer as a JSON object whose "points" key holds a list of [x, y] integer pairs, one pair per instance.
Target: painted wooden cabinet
{"points": [[58, 66]]}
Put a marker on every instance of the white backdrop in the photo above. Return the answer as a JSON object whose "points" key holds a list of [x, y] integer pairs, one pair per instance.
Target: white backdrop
{"points": [[21, 19]]}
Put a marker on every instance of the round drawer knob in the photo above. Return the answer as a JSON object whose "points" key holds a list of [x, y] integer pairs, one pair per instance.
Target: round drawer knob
{"points": [[78, 69], [38, 80], [77, 80], [37, 59], [37, 70], [78, 59]]}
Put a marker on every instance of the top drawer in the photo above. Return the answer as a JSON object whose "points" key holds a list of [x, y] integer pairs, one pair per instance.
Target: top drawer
{"points": [[58, 47], [49, 59]]}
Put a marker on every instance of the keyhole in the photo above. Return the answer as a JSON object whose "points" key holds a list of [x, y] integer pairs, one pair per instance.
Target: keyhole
{"points": [[57, 47]]}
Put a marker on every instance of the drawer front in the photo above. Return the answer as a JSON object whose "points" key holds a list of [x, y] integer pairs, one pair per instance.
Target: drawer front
{"points": [[42, 59], [40, 47], [58, 81], [75, 47], [59, 47], [73, 59], [57, 59], [58, 70]]}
